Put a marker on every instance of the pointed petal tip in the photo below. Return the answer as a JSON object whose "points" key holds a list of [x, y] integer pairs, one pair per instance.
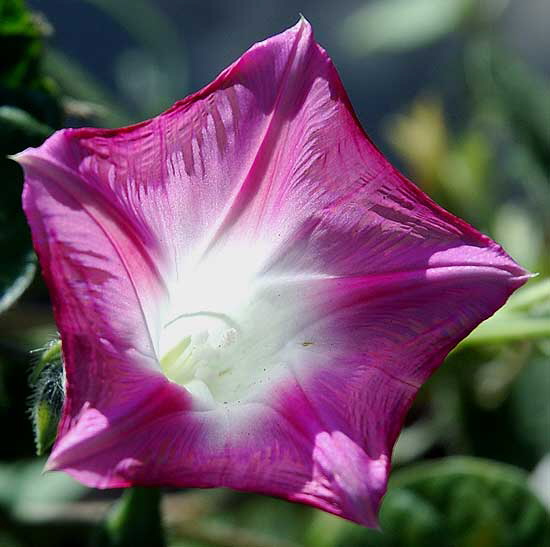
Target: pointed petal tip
{"points": [[366, 516], [371, 522], [305, 26], [20, 157], [520, 276], [507, 263], [302, 21], [357, 482], [525, 276], [26, 157], [302, 27], [51, 465]]}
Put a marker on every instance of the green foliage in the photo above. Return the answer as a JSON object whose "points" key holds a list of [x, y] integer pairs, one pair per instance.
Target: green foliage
{"points": [[21, 45], [525, 316], [27, 105], [452, 170], [528, 404], [525, 99], [466, 502], [18, 130], [22, 83], [454, 502]]}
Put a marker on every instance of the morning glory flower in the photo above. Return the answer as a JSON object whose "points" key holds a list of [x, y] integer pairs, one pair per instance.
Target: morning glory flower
{"points": [[248, 294]]}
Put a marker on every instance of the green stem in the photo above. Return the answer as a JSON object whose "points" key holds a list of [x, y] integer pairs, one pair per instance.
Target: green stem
{"points": [[135, 521]]}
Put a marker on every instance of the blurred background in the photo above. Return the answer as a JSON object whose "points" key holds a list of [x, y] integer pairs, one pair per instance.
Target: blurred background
{"points": [[454, 92]]}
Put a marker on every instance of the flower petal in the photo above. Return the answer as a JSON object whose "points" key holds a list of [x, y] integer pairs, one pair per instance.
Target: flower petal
{"points": [[185, 175], [104, 285], [271, 451]]}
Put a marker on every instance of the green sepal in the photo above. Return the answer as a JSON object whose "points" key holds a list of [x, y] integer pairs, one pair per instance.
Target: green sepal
{"points": [[48, 395]]}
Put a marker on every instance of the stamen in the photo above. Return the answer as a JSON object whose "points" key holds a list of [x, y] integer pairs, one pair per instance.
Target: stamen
{"points": [[224, 317]]}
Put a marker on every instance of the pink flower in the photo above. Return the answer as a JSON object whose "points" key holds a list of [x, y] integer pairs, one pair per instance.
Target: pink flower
{"points": [[248, 294]]}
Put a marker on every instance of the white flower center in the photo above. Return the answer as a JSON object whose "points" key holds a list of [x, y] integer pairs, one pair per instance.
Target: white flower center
{"points": [[227, 334]]}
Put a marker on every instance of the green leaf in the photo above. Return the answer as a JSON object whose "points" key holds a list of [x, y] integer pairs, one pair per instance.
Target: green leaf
{"points": [[20, 45], [26, 102], [401, 24], [507, 327], [479, 502], [15, 19], [22, 82], [532, 295], [15, 279], [525, 316], [414, 441], [135, 521], [18, 128]]}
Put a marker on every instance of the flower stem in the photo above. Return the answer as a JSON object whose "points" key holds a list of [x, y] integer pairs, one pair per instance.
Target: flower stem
{"points": [[135, 521]]}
